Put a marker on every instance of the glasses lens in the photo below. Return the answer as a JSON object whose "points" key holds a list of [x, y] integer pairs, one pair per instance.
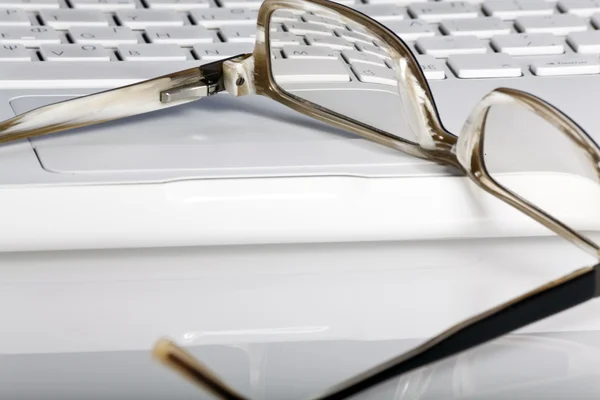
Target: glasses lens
{"points": [[535, 160], [332, 62]]}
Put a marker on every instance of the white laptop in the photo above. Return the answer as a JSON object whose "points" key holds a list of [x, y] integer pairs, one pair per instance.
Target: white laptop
{"points": [[248, 170]]}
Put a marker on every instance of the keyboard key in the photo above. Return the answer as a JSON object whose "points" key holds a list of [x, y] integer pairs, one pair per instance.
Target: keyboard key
{"points": [[239, 33], [373, 50], [283, 16], [74, 52], [513, 9], [279, 39], [374, 74], [141, 19], [492, 65], [151, 52], [177, 5], [571, 65], [28, 36], [528, 44], [106, 36], [329, 23], [383, 12], [300, 71], [309, 52], [400, 2], [217, 17], [444, 46], [103, 5], [250, 4], [30, 5], [329, 41], [585, 42], [65, 19], [411, 29], [596, 21], [303, 28], [438, 11], [432, 68], [557, 24], [357, 57], [217, 51], [14, 52], [347, 2], [14, 17], [353, 36], [582, 8], [181, 35], [483, 28]]}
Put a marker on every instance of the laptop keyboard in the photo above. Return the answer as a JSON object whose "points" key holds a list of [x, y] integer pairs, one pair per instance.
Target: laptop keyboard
{"points": [[453, 39]]}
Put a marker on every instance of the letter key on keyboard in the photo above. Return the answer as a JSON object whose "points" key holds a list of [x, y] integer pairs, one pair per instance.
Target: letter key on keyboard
{"points": [[528, 44], [30, 5], [309, 52], [299, 71], [583, 8], [585, 42], [151, 52], [432, 68], [411, 29], [14, 52], [217, 51], [29, 36], [483, 28], [250, 4], [177, 5], [186, 36], [357, 57], [65, 19], [441, 10], [14, 17], [484, 66], [103, 5], [74, 52], [444, 46], [383, 12], [141, 19], [217, 17], [373, 74], [107, 36], [517, 8], [558, 24]]}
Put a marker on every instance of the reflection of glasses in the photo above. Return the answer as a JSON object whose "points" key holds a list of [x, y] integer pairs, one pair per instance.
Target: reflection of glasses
{"points": [[305, 47]]}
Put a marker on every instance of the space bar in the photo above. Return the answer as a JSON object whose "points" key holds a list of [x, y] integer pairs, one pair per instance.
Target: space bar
{"points": [[85, 74]]}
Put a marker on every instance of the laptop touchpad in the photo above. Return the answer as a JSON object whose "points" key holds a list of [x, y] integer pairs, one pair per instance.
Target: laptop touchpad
{"points": [[219, 136]]}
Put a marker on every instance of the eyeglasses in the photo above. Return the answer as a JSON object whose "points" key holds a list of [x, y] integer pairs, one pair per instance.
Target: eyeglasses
{"points": [[507, 131]]}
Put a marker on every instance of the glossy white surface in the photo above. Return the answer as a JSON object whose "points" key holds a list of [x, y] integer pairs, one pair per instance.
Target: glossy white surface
{"points": [[284, 322]]}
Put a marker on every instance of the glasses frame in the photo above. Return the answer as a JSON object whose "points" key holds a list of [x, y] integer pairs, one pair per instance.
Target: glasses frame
{"points": [[436, 143]]}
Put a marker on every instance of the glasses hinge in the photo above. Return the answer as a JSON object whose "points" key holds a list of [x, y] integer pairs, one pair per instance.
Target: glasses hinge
{"points": [[189, 92]]}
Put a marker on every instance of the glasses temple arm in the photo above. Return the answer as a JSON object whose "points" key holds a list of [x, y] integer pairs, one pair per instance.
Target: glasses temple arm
{"points": [[552, 298], [182, 362], [150, 95]]}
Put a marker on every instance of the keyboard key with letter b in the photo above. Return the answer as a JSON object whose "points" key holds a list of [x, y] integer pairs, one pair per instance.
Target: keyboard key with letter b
{"points": [[151, 52]]}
